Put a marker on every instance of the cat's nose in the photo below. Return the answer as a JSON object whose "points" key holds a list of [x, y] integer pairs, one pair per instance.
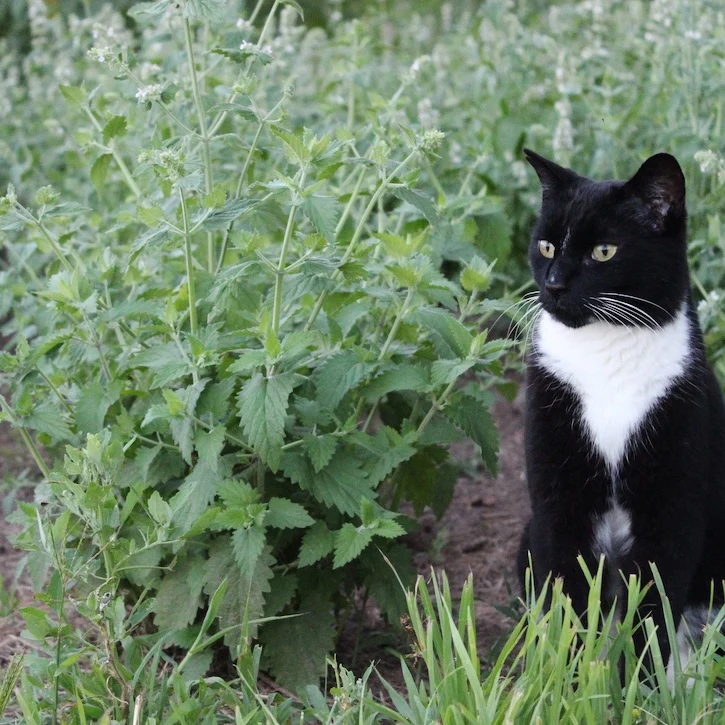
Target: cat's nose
{"points": [[555, 287]]}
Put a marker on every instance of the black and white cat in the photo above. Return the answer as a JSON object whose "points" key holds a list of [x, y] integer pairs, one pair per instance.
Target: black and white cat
{"points": [[625, 427]]}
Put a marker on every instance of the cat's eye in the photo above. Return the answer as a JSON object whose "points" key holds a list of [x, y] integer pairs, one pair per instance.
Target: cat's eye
{"points": [[604, 252], [546, 248]]}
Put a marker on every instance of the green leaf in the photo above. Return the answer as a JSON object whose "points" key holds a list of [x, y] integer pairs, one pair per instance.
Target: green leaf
{"points": [[472, 416], [323, 212], [444, 372], [317, 543], [204, 9], [232, 210], [117, 126], [209, 445], [47, 419], [165, 361], [320, 449], [182, 431], [495, 236], [214, 400], [296, 649], [340, 484], [338, 375], [193, 497], [350, 540], [93, 404], [149, 9], [450, 337], [151, 216], [476, 277], [263, 404], [73, 94], [388, 529], [417, 477], [382, 581], [294, 4], [235, 492], [241, 55], [285, 514], [244, 597], [178, 597], [294, 146], [384, 451], [420, 202], [247, 545], [99, 170], [401, 377]]}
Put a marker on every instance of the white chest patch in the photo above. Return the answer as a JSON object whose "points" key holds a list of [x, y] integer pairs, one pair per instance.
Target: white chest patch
{"points": [[618, 373]]}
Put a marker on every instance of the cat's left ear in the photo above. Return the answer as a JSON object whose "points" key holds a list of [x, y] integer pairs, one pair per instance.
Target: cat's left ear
{"points": [[660, 184]]}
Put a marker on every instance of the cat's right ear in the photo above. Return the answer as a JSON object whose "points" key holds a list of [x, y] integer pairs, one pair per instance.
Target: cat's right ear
{"points": [[553, 178]]}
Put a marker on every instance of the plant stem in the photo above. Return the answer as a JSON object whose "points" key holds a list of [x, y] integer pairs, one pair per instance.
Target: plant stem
{"points": [[116, 156], [29, 216], [396, 324], [384, 183], [205, 139], [27, 438], [191, 291], [282, 263]]}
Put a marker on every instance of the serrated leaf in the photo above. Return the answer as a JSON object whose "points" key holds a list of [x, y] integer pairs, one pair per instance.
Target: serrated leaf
{"points": [[149, 9], [382, 581], [317, 543], [323, 212], [340, 484], [209, 445], [350, 540], [93, 404], [117, 126], [178, 597], [151, 216], [235, 492], [47, 419], [247, 545], [296, 649], [388, 529], [337, 375], [182, 431], [263, 404], [165, 361], [232, 210], [474, 419], [384, 452], [215, 399], [450, 337], [417, 477], [204, 9], [99, 170], [320, 449], [285, 514], [294, 146], [73, 94], [401, 377], [241, 55], [444, 372], [420, 202], [193, 497], [244, 596]]}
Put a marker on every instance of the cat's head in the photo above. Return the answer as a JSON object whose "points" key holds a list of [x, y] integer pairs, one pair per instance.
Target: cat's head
{"points": [[611, 250]]}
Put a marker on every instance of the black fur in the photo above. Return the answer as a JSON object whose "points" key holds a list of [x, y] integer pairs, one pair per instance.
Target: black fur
{"points": [[672, 482]]}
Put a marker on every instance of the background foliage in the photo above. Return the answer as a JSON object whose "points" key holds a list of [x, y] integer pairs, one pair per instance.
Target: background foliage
{"points": [[248, 265]]}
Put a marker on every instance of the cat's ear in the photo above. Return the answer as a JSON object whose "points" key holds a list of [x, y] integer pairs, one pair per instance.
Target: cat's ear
{"points": [[554, 178], [660, 185]]}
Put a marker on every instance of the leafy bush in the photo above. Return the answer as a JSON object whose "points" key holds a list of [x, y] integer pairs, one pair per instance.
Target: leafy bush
{"points": [[237, 348]]}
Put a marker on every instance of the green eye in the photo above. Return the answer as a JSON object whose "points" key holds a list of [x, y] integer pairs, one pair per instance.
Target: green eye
{"points": [[604, 252], [546, 248]]}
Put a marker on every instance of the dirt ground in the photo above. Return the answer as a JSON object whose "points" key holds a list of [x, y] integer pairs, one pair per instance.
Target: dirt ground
{"points": [[479, 534]]}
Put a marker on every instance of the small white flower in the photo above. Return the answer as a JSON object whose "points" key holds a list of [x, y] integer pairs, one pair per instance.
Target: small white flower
{"points": [[149, 93]]}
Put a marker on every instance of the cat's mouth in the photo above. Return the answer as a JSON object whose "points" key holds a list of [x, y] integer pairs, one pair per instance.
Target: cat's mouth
{"points": [[567, 313]]}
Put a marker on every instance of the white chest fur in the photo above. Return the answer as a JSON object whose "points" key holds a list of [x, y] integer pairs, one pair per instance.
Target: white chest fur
{"points": [[617, 372]]}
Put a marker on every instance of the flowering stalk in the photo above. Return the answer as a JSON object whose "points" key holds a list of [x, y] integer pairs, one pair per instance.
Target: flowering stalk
{"points": [[205, 138]]}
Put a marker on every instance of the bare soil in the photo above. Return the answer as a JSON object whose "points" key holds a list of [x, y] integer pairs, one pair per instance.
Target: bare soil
{"points": [[479, 534]]}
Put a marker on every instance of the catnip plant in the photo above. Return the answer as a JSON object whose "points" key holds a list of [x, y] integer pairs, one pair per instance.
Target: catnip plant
{"points": [[237, 356]]}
